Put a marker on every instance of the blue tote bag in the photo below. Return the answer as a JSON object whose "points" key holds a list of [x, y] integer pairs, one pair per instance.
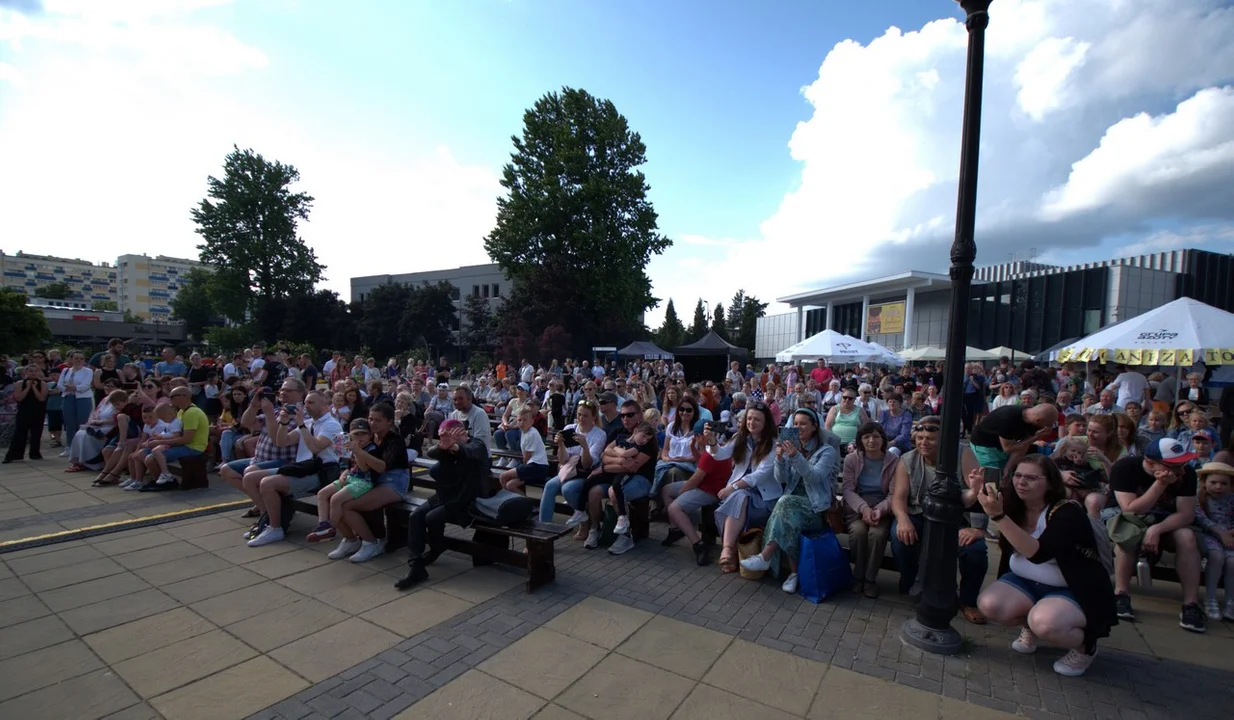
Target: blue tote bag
{"points": [[822, 568]]}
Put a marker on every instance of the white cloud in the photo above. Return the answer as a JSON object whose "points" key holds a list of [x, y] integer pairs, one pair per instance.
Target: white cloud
{"points": [[127, 107], [1084, 137]]}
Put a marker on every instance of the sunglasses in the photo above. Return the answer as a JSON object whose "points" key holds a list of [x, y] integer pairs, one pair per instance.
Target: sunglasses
{"points": [[586, 404], [629, 414], [685, 410], [926, 428], [849, 398]]}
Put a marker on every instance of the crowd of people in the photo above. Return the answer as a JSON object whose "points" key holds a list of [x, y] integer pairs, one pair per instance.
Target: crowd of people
{"points": [[1060, 464]]}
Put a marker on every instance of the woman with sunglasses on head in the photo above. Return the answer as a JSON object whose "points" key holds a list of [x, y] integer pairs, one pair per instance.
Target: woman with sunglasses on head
{"points": [[752, 489], [844, 419], [579, 447], [1051, 578], [807, 469]]}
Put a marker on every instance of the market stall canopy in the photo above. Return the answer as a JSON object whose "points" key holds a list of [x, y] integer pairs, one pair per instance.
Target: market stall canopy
{"points": [[889, 356], [831, 346], [972, 354], [645, 350], [711, 344], [1003, 351], [923, 353], [1179, 333], [1051, 352]]}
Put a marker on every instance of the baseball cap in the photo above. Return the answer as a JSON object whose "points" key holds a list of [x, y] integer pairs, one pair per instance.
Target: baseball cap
{"points": [[524, 386], [607, 397], [1206, 433], [1169, 451], [359, 424]]}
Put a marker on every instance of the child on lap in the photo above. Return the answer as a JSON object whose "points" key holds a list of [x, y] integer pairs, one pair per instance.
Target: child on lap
{"points": [[352, 483]]}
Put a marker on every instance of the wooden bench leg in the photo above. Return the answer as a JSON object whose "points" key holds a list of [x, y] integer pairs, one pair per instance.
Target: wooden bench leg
{"points": [[541, 568], [193, 474], [711, 533], [396, 527], [640, 518]]}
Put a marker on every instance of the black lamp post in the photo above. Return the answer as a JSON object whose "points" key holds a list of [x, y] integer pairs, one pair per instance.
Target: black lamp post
{"points": [[931, 629]]}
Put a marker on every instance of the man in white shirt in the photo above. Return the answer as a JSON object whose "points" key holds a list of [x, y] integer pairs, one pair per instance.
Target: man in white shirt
{"points": [[472, 416], [331, 363], [1131, 387], [313, 429], [527, 372]]}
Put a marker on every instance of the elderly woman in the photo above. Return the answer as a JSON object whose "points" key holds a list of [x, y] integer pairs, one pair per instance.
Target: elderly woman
{"points": [[833, 396], [752, 489], [87, 444], [1051, 580], [1195, 390], [898, 424], [867, 476], [807, 469]]}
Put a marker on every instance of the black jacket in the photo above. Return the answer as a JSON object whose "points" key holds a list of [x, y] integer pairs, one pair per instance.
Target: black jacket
{"points": [[462, 475]]}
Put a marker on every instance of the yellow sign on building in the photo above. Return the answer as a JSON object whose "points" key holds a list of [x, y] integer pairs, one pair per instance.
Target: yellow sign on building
{"points": [[885, 319]]}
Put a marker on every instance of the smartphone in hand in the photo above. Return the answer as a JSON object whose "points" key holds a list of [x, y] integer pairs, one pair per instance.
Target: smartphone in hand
{"points": [[790, 434]]}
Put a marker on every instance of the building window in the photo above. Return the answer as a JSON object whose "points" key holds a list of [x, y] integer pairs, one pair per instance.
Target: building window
{"points": [[486, 291], [475, 291], [496, 290]]}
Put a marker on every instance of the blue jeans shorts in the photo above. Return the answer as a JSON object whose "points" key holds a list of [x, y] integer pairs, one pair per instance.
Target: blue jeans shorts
{"points": [[399, 479], [1037, 591]]}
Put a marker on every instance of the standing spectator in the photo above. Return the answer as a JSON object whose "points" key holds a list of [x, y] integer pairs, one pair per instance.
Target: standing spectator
{"points": [[308, 372], [115, 348], [31, 397], [76, 383], [527, 372], [1131, 386], [170, 366], [976, 387]]}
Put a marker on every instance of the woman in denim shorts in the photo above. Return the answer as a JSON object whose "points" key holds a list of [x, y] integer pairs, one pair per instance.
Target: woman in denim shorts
{"points": [[391, 480]]}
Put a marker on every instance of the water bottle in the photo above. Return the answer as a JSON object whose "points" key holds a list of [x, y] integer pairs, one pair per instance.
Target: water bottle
{"points": [[1144, 572]]}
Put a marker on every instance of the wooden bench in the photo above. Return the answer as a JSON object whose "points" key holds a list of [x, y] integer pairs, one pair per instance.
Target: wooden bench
{"points": [[193, 472]]}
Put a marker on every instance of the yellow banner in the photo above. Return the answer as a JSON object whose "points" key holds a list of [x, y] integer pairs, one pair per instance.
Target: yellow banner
{"points": [[1134, 357], [885, 319], [1064, 355], [1149, 357], [1167, 357], [1186, 358], [1164, 358]]}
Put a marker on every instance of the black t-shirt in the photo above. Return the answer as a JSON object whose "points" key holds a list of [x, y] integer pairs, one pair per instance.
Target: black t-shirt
{"points": [[651, 449], [309, 374], [1006, 422], [393, 451], [275, 373], [1128, 476], [556, 408], [198, 375]]}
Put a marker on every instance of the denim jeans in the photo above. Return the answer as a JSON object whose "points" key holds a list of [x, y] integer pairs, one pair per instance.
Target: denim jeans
{"points": [[76, 413], [507, 439], [973, 561], [552, 487], [227, 445]]}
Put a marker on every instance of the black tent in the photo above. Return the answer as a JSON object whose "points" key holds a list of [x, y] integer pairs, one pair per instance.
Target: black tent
{"points": [[647, 350], [708, 358]]}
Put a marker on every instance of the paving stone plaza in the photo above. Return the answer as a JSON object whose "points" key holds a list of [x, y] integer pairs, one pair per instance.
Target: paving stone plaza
{"points": [[183, 620]]}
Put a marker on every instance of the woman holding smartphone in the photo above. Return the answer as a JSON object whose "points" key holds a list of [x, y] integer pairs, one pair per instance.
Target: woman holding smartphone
{"points": [[579, 447]]}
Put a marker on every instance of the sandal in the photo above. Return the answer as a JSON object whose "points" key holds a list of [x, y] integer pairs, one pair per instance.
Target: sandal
{"points": [[252, 512], [580, 534], [728, 560], [75, 468], [102, 481]]}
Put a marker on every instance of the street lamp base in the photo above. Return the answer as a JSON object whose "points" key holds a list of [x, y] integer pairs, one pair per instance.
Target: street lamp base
{"points": [[945, 641]]}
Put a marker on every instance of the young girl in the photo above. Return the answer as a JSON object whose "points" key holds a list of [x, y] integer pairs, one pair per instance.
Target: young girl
{"points": [[1215, 516], [214, 407], [339, 408], [1197, 421], [1153, 428], [151, 428], [534, 467], [354, 482]]}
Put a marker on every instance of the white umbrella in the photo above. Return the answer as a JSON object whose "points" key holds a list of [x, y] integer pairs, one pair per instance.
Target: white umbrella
{"points": [[972, 354], [1178, 333], [1004, 351], [889, 357], [831, 346], [923, 353]]}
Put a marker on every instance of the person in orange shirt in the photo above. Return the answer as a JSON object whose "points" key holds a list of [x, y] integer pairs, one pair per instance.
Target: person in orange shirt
{"points": [[501, 371]]}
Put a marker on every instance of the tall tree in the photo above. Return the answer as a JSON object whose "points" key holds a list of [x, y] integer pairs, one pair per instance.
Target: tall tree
{"points": [[479, 334], [54, 291], [720, 323], [698, 328], [193, 303], [319, 319], [672, 333], [383, 313], [734, 316], [751, 311], [248, 226], [576, 207], [21, 328], [430, 317]]}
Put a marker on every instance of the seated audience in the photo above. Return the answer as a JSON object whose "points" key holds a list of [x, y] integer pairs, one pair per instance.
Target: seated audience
{"points": [[867, 476], [579, 447], [534, 466], [1215, 518], [680, 450], [752, 490]]}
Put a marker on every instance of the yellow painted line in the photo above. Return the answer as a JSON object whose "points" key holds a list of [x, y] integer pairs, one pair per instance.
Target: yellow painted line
{"points": [[132, 521]]}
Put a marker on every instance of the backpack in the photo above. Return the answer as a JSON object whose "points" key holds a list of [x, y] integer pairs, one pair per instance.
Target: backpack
{"points": [[505, 508], [1101, 538]]}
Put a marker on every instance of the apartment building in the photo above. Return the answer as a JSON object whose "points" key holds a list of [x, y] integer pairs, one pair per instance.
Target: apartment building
{"points": [[147, 284]]}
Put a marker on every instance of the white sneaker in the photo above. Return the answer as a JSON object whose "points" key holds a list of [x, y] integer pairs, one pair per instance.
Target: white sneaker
{"points": [[576, 519], [368, 551], [128, 484], [622, 544], [165, 478], [1074, 663], [134, 485], [346, 548], [593, 540], [267, 536], [790, 584], [64, 454], [1229, 608], [623, 525], [756, 563], [1213, 610], [1026, 644]]}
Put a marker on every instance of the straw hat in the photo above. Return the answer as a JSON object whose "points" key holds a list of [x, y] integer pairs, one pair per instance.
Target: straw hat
{"points": [[1215, 468]]}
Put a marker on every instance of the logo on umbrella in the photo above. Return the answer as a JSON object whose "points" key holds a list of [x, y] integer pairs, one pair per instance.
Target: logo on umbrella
{"points": [[1158, 335]]}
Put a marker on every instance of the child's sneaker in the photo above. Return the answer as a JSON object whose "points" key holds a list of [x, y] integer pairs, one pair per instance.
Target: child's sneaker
{"points": [[1212, 610], [623, 525], [368, 551], [323, 531], [593, 540], [576, 519], [1229, 609]]}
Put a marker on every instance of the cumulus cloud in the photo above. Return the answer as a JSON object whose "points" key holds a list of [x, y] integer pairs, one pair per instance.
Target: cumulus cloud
{"points": [[114, 114], [1101, 119]]}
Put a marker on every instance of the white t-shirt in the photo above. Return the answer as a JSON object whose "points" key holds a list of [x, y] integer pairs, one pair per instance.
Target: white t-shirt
{"points": [[328, 367], [158, 429], [81, 378], [170, 429], [1131, 387], [1046, 573], [229, 370], [526, 373], [596, 441], [679, 445], [531, 442], [326, 426]]}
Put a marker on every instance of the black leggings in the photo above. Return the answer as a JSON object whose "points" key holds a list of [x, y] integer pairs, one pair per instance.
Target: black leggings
{"points": [[28, 430], [616, 482]]}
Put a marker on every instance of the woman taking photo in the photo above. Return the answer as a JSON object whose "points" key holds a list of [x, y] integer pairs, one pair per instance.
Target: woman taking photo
{"points": [[1051, 578], [578, 450], [867, 476], [807, 470], [746, 501]]}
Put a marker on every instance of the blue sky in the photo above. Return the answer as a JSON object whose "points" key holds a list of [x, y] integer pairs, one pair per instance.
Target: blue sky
{"points": [[790, 145]]}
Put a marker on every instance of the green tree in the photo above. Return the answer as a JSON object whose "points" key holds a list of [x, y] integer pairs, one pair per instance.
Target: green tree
{"points": [[229, 338], [248, 226], [105, 306], [194, 304], [382, 315], [479, 332], [671, 332], [734, 315], [22, 328], [720, 324], [318, 319], [54, 291], [576, 208], [751, 311], [430, 317], [698, 328], [129, 317]]}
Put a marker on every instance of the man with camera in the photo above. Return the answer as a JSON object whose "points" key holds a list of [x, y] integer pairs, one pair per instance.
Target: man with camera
{"points": [[31, 397]]}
